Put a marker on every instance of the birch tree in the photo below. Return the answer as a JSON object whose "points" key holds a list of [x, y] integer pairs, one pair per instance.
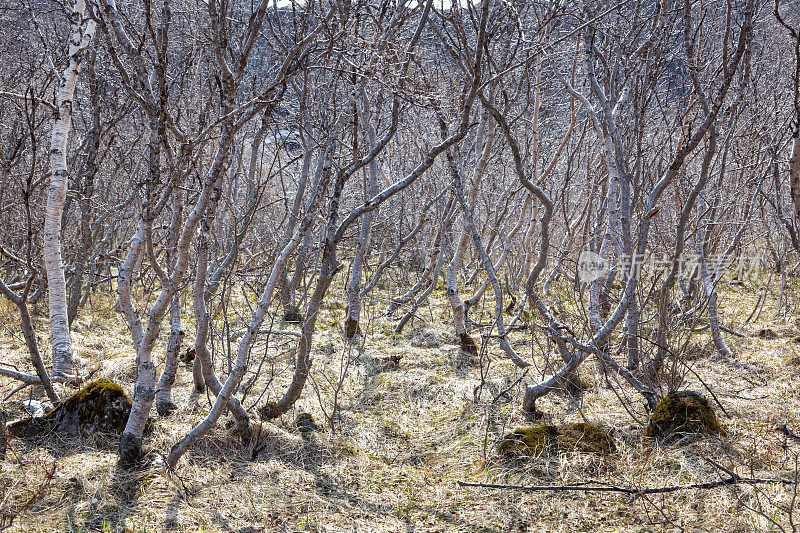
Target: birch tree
{"points": [[82, 29]]}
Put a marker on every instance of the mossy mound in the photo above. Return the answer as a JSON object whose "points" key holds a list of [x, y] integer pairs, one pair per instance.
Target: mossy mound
{"points": [[683, 413], [548, 439], [99, 407]]}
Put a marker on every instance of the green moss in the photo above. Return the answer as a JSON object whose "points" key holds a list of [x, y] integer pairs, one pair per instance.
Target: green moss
{"points": [[99, 407], [94, 400], [683, 413], [583, 437], [532, 441], [548, 439]]}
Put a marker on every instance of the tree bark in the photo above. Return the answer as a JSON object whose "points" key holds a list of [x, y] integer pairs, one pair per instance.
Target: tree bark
{"points": [[81, 34]]}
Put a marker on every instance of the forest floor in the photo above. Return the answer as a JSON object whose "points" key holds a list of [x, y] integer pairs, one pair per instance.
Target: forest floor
{"points": [[390, 457]]}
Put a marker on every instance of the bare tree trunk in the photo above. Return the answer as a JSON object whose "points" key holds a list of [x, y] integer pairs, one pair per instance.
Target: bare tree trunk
{"points": [[352, 328], [487, 265], [485, 141], [794, 171], [87, 192], [81, 34], [164, 404], [26, 325]]}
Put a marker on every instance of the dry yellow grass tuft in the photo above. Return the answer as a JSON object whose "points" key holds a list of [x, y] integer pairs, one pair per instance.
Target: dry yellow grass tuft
{"points": [[404, 435]]}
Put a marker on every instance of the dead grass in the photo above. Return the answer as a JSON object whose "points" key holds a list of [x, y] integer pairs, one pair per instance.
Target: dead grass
{"points": [[404, 437]]}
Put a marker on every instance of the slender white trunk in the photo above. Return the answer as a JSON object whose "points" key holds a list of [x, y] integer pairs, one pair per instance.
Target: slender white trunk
{"points": [[353, 296], [81, 34]]}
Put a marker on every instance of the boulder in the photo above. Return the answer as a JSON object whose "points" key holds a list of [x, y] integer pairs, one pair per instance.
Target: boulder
{"points": [[99, 407], [683, 413]]}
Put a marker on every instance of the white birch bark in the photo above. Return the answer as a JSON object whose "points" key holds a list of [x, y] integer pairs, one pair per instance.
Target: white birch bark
{"points": [[81, 34]]}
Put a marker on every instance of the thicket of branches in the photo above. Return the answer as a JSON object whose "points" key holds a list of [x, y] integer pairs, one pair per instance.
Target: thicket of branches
{"points": [[209, 155]]}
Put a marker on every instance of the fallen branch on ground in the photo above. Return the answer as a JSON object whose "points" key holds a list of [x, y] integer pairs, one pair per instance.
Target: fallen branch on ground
{"points": [[597, 486]]}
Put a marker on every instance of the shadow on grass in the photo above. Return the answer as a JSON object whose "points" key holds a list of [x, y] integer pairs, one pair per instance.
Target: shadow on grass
{"points": [[124, 491]]}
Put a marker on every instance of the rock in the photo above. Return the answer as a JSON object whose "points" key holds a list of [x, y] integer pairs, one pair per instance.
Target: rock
{"points": [[351, 328], [683, 413], [292, 316], [305, 423], [767, 334], [99, 407], [34, 408], [547, 439]]}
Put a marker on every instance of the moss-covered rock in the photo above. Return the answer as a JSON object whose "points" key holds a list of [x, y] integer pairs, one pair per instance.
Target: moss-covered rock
{"points": [[99, 407], [531, 441], [547, 439], [683, 413]]}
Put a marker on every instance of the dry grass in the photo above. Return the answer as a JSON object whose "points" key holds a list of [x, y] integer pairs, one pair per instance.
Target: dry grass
{"points": [[402, 438]]}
